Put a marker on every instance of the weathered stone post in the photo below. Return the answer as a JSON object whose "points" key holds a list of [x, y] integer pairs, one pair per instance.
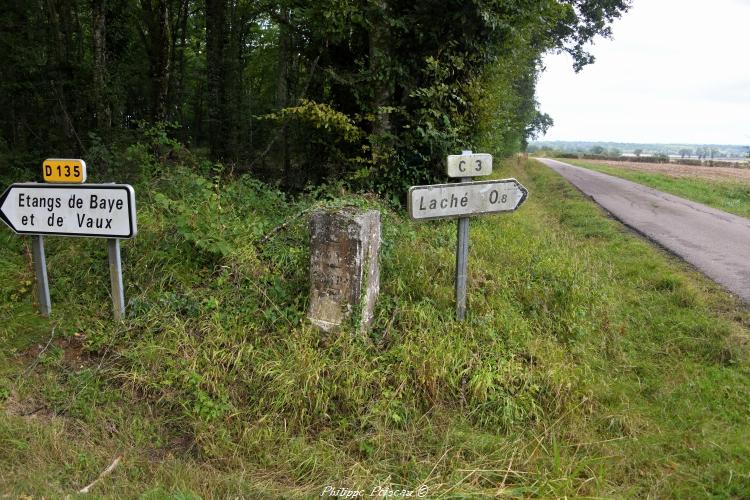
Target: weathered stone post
{"points": [[344, 268]]}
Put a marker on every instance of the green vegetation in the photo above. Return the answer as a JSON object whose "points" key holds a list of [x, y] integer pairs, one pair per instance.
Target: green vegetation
{"points": [[732, 197], [296, 92], [591, 363]]}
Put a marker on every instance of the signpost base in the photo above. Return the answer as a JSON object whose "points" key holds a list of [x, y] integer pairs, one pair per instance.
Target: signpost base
{"points": [[115, 277], [40, 269]]}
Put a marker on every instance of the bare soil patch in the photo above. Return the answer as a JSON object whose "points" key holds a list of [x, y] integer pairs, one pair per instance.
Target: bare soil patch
{"points": [[16, 406], [73, 354], [675, 170]]}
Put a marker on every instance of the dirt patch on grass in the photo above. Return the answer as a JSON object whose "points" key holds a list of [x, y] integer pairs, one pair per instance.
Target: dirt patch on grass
{"points": [[70, 349], [65, 352], [16, 406], [675, 170]]}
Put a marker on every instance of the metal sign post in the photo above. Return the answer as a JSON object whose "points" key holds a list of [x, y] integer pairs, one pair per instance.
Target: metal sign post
{"points": [[115, 278], [40, 269], [462, 247], [463, 200], [462, 262]]}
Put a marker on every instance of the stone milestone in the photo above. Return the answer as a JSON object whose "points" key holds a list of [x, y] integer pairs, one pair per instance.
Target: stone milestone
{"points": [[344, 268]]}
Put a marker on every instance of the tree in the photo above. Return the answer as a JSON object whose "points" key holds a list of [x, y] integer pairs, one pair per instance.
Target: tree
{"points": [[638, 152], [157, 40], [216, 71], [99, 39], [374, 93]]}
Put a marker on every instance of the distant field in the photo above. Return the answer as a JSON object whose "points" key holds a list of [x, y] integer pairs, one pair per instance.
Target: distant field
{"points": [[673, 169], [723, 188]]}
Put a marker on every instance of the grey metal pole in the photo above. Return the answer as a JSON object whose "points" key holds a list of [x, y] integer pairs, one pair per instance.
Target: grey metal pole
{"points": [[462, 259], [40, 269], [462, 265], [115, 277]]}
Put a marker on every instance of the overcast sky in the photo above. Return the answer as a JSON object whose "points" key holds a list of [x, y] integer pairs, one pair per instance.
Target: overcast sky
{"points": [[675, 71]]}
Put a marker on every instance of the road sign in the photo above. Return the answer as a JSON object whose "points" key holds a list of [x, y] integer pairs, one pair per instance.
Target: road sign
{"points": [[441, 201], [469, 165], [463, 200], [94, 210], [70, 171]]}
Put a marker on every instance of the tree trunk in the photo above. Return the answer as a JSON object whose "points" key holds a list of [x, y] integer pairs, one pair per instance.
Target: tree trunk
{"points": [[157, 14], [98, 19], [234, 62], [216, 43], [178, 60], [198, 114], [282, 89], [58, 65], [382, 82]]}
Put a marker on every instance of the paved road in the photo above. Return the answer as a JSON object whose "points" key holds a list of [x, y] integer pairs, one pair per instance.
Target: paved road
{"points": [[715, 242]]}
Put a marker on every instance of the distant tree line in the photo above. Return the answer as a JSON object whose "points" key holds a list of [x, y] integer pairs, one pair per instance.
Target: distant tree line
{"points": [[699, 156], [684, 151], [375, 92]]}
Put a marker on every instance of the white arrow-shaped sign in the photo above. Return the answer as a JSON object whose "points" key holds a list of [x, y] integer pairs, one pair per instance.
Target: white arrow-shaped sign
{"points": [[440, 201], [93, 210]]}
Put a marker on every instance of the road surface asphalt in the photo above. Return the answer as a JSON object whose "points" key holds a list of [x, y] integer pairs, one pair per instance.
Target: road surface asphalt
{"points": [[715, 242]]}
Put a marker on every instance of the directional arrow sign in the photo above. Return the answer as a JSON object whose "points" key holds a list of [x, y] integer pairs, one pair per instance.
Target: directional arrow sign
{"points": [[94, 210], [440, 201]]}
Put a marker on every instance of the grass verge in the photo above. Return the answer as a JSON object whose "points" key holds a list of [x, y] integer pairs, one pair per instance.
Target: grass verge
{"points": [[730, 196], [591, 363]]}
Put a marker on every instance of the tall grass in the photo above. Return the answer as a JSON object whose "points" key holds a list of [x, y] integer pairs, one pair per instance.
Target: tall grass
{"points": [[590, 363]]}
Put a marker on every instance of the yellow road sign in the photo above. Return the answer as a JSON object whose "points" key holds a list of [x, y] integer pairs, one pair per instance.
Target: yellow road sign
{"points": [[71, 171]]}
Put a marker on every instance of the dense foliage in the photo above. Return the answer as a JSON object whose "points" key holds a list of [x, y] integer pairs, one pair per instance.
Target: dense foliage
{"points": [[374, 92]]}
